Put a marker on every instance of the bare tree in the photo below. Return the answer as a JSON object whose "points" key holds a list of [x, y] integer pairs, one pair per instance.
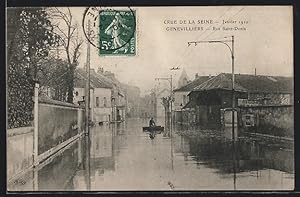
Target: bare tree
{"points": [[67, 29]]}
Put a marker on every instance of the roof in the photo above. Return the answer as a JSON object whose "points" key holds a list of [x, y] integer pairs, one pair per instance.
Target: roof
{"points": [[190, 86], [113, 81], [96, 81], [221, 81], [263, 83], [80, 81], [249, 83]]}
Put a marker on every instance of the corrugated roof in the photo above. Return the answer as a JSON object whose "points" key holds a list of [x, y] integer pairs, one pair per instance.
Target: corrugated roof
{"points": [[190, 86], [263, 83], [249, 83], [220, 81]]}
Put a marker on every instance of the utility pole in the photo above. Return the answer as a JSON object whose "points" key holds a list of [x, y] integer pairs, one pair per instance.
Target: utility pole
{"points": [[87, 84], [233, 79], [225, 41], [171, 96], [170, 79], [171, 100]]}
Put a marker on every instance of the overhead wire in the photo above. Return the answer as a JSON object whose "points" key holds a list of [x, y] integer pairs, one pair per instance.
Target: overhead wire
{"points": [[187, 55], [186, 52]]}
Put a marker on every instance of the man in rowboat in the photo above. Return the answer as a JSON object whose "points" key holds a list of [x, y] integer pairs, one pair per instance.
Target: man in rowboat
{"points": [[151, 122], [151, 125]]}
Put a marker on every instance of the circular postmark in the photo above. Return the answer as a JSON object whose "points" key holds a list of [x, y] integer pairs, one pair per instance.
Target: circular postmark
{"points": [[110, 29]]}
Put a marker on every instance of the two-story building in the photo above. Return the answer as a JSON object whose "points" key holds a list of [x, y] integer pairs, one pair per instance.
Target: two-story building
{"points": [[100, 96], [118, 98]]}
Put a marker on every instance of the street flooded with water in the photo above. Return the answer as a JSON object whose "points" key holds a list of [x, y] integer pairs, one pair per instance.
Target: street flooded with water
{"points": [[123, 157]]}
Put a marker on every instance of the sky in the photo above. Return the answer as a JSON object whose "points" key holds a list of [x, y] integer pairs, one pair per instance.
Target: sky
{"points": [[265, 43]]}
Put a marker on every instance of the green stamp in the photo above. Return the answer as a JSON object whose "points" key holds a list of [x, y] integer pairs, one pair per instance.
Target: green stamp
{"points": [[117, 35]]}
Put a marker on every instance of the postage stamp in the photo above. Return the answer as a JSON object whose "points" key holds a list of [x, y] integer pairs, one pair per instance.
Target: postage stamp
{"points": [[112, 30], [117, 32]]}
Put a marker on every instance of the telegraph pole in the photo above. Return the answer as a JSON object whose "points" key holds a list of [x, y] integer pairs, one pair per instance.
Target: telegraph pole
{"points": [[233, 79], [87, 84], [171, 100], [231, 48]]}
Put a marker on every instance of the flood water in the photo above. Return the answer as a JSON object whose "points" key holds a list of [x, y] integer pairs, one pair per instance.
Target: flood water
{"points": [[123, 157]]}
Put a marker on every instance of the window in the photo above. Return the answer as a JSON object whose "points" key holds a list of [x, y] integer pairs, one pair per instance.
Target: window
{"points": [[97, 101], [104, 102]]}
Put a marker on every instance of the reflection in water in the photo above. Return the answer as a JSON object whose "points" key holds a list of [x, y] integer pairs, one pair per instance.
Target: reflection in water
{"points": [[123, 157]]}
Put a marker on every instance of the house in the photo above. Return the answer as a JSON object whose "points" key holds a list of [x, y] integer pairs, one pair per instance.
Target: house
{"points": [[184, 115], [107, 99], [208, 98], [119, 101], [181, 93], [100, 95]]}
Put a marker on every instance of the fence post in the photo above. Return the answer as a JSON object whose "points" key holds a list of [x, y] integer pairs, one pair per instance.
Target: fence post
{"points": [[36, 124]]}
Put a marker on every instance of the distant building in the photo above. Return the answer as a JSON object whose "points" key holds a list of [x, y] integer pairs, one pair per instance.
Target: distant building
{"points": [[133, 98], [183, 79], [148, 106]]}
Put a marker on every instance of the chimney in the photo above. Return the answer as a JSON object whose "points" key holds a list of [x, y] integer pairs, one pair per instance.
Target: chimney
{"points": [[109, 74], [196, 76], [100, 70], [254, 71]]}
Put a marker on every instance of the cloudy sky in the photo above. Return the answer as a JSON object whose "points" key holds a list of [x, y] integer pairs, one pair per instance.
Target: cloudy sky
{"points": [[265, 43]]}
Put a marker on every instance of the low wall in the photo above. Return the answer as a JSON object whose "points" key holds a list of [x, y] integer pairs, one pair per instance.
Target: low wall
{"points": [[271, 120], [19, 150], [58, 122]]}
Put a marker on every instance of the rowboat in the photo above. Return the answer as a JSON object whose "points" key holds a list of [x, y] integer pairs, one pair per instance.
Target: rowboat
{"points": [[154, 128]]}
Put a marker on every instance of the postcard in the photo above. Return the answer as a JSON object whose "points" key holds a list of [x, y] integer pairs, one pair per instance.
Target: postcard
{"points": [[158, 98]]}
